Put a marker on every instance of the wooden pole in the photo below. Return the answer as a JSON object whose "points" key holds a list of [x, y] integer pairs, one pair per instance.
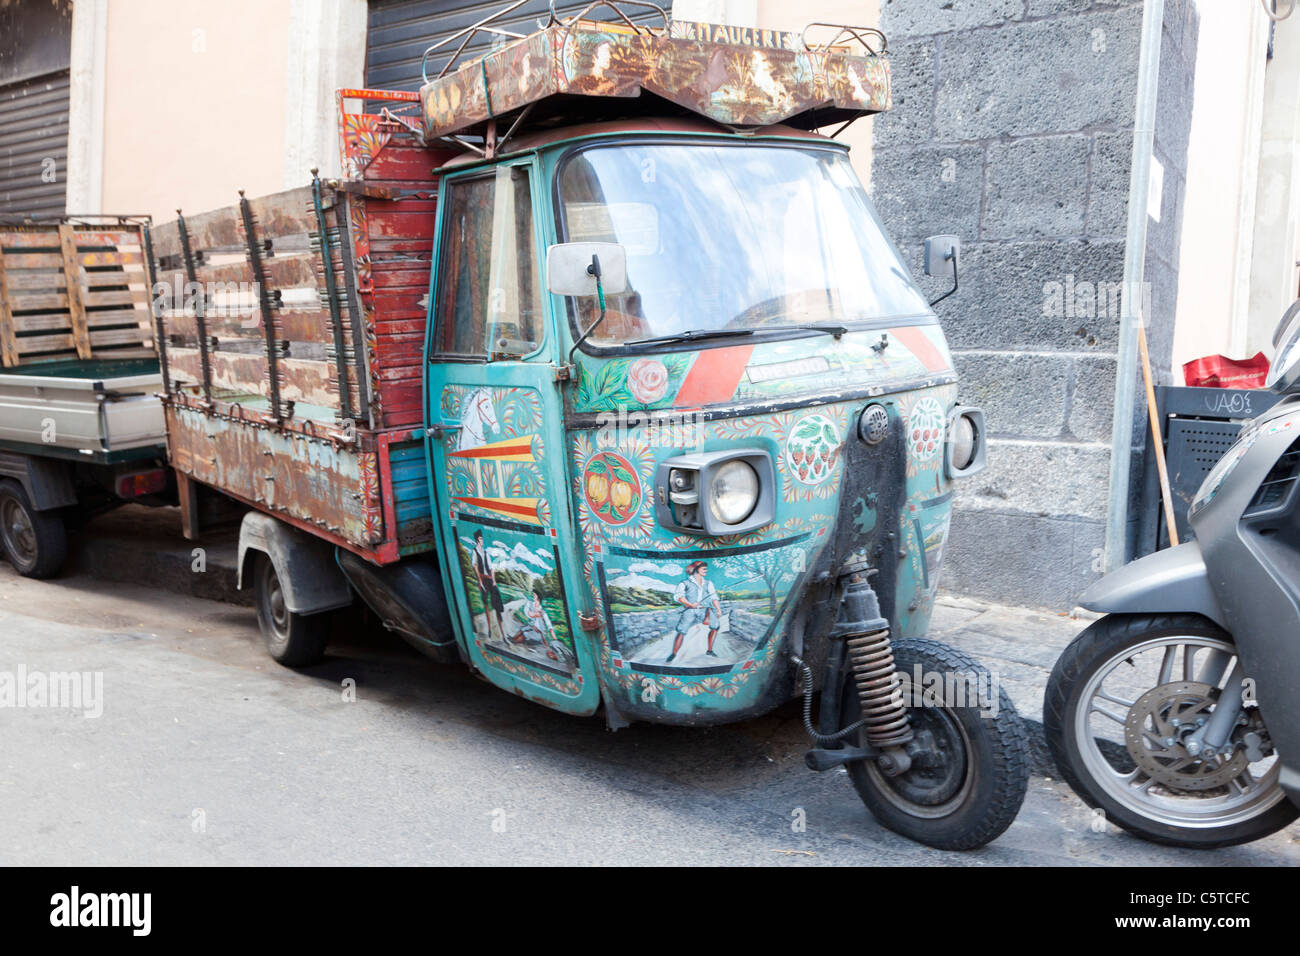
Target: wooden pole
{"points": [[1153, 418]]}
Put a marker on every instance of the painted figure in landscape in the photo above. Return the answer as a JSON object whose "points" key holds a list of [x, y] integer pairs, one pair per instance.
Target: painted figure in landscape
{"points": [[700, 605], [535, 627], [487, 585]]}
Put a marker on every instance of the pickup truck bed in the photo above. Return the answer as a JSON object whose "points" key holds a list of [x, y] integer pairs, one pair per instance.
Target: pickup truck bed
{"points": [[106, 411]]}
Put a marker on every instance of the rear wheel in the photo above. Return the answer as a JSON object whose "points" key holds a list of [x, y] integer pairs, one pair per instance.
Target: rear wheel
{"points": [[35, 542], [294, 640], [969, 757]]}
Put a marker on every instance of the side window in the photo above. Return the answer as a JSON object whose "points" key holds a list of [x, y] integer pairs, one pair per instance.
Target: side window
{"points": [[489, 292]]}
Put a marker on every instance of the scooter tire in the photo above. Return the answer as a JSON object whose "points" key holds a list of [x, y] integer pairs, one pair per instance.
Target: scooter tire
{"points": [[1099, 643]]}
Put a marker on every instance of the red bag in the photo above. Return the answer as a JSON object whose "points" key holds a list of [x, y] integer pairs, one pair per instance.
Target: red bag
{"points": [[1218, 371]]}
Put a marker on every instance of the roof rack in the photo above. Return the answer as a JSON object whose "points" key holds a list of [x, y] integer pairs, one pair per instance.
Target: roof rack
{"points": [[580, 70]]}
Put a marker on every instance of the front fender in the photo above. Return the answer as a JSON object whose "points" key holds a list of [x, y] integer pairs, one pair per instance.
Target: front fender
{"points": [[1169, 581]]}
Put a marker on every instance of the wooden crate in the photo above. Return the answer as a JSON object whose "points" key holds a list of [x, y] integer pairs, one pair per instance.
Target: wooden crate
{"points": [[74, 289]]}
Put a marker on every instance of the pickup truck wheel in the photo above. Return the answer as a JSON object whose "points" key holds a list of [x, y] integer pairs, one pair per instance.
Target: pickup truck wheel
{"points": [[294, 640], [35, 542]]}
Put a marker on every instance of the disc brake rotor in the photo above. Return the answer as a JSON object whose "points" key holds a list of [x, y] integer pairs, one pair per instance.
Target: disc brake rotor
{"points": [[1170, 712]]}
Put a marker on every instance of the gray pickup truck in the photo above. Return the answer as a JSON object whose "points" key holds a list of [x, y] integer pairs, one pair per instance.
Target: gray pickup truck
{"points": [[81, 423]]}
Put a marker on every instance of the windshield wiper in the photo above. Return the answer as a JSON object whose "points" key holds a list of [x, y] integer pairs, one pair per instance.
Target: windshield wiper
{"points": [[835, 330], [695, 335], [692, 336]]}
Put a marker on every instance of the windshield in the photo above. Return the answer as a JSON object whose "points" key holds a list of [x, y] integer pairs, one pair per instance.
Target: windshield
{"points": [[728, 237]]}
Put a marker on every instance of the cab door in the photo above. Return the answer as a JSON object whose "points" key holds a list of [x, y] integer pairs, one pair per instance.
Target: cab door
{"points": [[494, 415]]}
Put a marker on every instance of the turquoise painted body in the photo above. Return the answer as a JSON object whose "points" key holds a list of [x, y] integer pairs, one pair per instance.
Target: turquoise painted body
{"points": [[564, 585]]}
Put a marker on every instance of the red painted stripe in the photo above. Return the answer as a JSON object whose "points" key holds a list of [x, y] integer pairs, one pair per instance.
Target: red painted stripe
{"points": [[494, 451], [501, 507], [919, 344], [714, 376]]}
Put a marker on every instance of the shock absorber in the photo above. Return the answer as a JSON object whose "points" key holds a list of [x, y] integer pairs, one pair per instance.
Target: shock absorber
{"points": [[866, 637]]}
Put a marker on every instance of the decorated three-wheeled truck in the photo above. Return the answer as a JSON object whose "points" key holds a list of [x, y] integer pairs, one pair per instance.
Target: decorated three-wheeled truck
{"points": [[597, 372]]}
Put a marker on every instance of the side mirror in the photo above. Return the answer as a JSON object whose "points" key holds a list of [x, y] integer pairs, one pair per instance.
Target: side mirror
{"points": [[568, 268], [940, 250]]}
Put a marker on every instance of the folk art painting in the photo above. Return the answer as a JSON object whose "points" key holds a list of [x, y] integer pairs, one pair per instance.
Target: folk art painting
{"points": [[684, 623]]}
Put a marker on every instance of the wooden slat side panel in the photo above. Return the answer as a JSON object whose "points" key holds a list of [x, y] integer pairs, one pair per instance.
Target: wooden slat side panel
{"points": [[301, 380]]}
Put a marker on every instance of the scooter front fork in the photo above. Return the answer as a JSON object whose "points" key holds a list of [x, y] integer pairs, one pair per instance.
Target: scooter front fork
{"points": [[1213, 735], [860, 647]]}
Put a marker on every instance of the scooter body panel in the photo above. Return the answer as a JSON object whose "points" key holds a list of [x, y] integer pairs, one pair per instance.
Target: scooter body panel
{"points": [[1252, 554], [1171, 581]]}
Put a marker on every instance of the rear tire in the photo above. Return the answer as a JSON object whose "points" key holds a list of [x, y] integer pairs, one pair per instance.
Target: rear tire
{"points": [[969, 799], [35, 542], [294, 640]]}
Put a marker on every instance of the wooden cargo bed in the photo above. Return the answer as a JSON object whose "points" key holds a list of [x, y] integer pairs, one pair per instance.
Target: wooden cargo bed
{"points": [[292, 346]]}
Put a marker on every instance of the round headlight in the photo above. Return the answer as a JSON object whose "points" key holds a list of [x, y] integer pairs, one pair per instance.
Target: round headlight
{"points": [[733, 492], [963, 442]]}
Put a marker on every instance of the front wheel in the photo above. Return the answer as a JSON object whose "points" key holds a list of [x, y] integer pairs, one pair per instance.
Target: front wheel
{"points": [[1121, 704], [294, 640], [35, 542], [969, 755]]}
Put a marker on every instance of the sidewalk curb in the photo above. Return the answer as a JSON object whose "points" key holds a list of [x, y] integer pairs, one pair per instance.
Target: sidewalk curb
{"points": [[109, 555]]}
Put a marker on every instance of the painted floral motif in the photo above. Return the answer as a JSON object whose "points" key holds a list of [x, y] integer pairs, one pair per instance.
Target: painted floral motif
{"points": [[632, 383], [647, 380], [612, 488], [925, 428], [812, 449]]}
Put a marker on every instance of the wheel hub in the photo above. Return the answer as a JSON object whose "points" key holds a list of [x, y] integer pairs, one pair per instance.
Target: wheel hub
{"points": [[937, 766], [1157, 727], [19, 529]]}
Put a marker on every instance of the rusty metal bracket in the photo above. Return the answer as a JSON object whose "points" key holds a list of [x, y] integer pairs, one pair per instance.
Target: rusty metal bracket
{"points": [[332, 297], [200, 308], [341, 219], [359, 187], [266, 304]]}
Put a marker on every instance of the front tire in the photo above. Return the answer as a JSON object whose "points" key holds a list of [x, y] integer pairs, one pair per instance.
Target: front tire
{"points": [[294, 640], [1125, 671], [35, 542], [967, 791]]}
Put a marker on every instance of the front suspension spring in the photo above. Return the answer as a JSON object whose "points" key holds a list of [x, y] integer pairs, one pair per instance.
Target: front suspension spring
{"points": [[880, 693]]}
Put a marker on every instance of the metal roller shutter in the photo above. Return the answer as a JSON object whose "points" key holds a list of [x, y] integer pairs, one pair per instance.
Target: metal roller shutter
{"points": [[399, 31], [34, 146]]}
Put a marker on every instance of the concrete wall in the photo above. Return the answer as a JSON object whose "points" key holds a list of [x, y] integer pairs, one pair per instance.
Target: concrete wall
{"points": [[1013, 128], [1275, 274], [191, 101]]}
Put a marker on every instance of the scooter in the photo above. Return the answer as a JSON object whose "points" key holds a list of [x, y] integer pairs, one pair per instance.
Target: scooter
{"points": [[1178, 713]]}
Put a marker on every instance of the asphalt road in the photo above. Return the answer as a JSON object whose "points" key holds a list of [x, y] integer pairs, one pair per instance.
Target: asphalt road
{"points": [[208, 752]]}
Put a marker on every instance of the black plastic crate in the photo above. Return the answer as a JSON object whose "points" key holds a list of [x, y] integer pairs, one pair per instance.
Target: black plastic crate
{"points": [[1197, 425]]}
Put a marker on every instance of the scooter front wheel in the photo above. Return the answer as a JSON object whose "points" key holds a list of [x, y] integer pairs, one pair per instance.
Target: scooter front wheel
{"points": [[1120, 705], [969, 754]]}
